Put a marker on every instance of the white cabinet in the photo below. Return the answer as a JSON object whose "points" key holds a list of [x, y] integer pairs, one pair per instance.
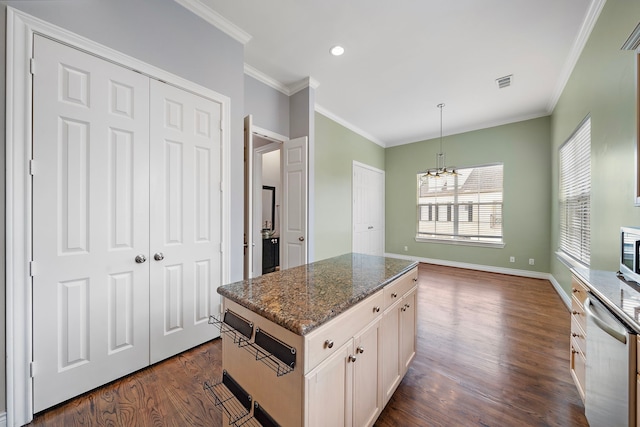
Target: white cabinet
{"points": [[367, 376], [327, 390], [398, 332], [347, 382]]}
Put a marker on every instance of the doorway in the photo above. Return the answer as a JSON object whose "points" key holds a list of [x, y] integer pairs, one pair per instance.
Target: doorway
{"points": [[275, 238]]}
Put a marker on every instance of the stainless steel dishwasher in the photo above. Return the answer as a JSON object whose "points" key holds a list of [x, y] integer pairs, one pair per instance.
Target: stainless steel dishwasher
{"points": [[611, 368]]}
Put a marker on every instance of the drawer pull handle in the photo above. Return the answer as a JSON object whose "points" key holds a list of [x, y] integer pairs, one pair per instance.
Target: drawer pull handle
{"points": [[328, 344], [394, 295], [360, 350], [575, 312], [574, 351], [376, 309], [352, 358], [573, 334], [575, 290]]}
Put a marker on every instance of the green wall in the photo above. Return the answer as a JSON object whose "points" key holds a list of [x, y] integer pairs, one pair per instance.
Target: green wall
{"points": [[602, 84], [336, 147], [525, 151]]}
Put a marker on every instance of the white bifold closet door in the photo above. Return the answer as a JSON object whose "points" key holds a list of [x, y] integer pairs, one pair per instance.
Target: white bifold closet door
{"points": [[185, 219], [112, 187]]}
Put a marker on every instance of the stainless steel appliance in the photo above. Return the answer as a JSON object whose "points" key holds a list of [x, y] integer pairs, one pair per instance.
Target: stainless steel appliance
{"points": [[611, 367]]}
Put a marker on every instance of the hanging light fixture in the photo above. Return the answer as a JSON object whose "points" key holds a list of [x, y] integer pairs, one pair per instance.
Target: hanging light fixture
{"points": [[441, 168]]}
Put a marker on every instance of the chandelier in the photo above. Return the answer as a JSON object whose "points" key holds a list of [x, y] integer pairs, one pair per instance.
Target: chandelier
{"points": [[441, 168]]}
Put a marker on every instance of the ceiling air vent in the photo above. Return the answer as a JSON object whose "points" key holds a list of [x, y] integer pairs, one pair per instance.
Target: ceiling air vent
{"points": [[505, 81]]}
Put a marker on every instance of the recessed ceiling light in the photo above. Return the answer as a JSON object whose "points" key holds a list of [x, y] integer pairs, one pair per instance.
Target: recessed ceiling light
{"points": [[337, 50]]}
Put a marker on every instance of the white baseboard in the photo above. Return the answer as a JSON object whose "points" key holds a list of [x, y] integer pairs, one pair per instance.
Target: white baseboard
{"points": [[3, 419], [491, 269]]}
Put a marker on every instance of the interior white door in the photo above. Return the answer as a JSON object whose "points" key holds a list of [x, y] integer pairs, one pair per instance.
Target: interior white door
{"points": [[249, 243], [368, 210], [293, 238], [185, 219], [90, 221]]}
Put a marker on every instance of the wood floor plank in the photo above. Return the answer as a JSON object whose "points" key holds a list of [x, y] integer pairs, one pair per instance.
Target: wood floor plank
{"points": [[492, 350]]}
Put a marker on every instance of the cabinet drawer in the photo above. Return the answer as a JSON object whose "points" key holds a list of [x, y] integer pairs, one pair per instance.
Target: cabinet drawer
{"points": [[578, 289], [578, 335], [395, 290], [578, 368], [577, 313], [327, 339]]}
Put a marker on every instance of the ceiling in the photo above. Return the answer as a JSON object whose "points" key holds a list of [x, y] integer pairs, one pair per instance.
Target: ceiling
{"points": [[405, 57]]}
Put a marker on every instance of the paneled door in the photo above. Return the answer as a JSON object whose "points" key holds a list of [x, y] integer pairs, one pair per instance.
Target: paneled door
{"points": [[90, 222], [294, 219], [368, 210], [185, 219]]}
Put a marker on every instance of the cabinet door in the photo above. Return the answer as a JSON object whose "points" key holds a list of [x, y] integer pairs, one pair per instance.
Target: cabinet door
{"points": [[391, 371], [329, 390], [367, 393], [408, 322]]}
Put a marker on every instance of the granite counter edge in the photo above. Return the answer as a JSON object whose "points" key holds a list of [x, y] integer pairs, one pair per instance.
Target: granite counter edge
{"points": [[303, 329]]}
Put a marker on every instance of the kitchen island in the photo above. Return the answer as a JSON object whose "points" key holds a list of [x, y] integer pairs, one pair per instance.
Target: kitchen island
{"points": [[326, 343]]}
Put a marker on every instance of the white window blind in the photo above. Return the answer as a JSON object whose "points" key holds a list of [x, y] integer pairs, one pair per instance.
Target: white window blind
{"points": [[575, 194], [462, 208]]}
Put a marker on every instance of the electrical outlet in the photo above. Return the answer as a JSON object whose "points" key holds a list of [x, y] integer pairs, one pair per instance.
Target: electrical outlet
{"points": [[532, 261], [512, 259]]}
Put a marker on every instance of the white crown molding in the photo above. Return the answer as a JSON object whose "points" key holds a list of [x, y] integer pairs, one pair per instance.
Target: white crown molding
{"points": [[215, 19], [576, 50], [263, 78], [491, 269], [470, 128], [303, 84], [349, 126], [633, 42]]}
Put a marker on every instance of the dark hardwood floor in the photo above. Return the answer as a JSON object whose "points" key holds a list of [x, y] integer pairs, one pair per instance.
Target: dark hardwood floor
{"points": [[493, 350]]}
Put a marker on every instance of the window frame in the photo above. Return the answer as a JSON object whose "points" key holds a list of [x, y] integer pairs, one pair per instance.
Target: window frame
{"points": [[456, 209]]}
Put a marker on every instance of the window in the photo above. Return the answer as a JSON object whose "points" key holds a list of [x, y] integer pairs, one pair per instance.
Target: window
{"points": [[575, 190], [466, 207]]}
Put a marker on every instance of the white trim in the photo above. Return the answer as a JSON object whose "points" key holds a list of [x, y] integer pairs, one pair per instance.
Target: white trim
{"points": [[497, 245], [214, 18], [263, 78], [3, 419], [589, 22], [21, 29], [303, 84], [633, 42], [349, 126], [267, 134], [491, 269]]}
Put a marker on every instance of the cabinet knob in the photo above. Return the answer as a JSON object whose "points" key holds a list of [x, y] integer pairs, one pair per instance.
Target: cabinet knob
{"points": [[394, 295], [574, 290], [404, 307], [573, 351], [352, 358], [573, 334], [575, 312], [415, 279], [376, 309], [328, 344], [360, 350]]}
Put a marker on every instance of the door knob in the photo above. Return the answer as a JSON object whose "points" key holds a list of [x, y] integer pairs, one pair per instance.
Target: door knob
{"points": [[140, 259], [159, 256], [301, 238]]}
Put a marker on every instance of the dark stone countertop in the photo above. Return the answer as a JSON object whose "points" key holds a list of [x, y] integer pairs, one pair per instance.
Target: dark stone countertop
{"points": [[302, 298], [622, 297]]}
